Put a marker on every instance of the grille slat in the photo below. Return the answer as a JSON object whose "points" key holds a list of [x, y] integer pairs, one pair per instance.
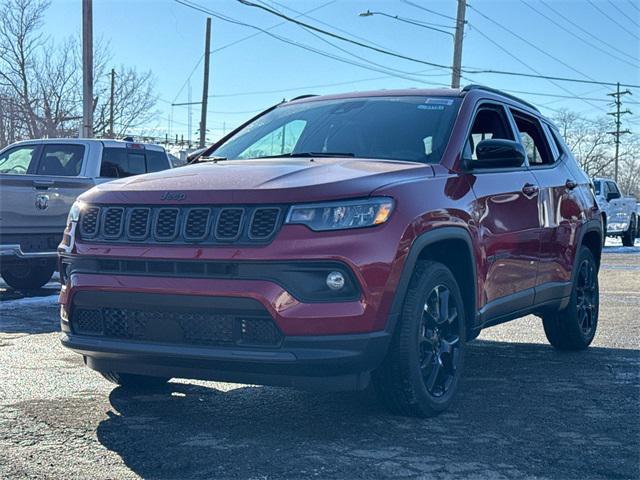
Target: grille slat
{"points": [[180, 225]]}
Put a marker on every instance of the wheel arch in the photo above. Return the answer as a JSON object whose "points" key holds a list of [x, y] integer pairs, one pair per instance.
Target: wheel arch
{"points": [[453, 247], [591, 237]]}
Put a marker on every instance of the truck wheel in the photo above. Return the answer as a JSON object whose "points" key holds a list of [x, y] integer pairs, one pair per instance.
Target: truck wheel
{"points": [[629, 236], [26, 275], [421, 372], [574, 327], [135, 382]]}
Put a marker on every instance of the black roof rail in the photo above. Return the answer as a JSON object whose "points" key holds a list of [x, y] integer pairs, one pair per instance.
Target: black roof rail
{"points": [[468, 88], [300, 97]]}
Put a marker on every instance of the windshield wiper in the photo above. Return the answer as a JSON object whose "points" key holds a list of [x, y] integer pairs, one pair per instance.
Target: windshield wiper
{"points": [[212, 158], [311, 154]]}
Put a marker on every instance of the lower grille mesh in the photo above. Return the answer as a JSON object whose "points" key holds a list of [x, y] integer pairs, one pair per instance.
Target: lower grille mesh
{"points": [[185, 328]]}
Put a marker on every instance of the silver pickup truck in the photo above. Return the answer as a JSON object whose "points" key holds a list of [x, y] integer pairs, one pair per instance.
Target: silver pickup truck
{"points": [[40, 180]]}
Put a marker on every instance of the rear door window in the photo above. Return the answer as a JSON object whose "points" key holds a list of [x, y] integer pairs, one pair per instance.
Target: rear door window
{"points": [[157, 161], [61, 160], [533, 139], [122, 162], [19, 160]]}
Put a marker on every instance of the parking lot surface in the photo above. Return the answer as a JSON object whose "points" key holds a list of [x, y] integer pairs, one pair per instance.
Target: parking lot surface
{"points": [[524, 410]]}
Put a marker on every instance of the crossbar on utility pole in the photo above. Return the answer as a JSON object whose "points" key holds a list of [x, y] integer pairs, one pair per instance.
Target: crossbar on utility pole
{"points": [[457, 45], [87, 68], [617, 95], [205, 85]]}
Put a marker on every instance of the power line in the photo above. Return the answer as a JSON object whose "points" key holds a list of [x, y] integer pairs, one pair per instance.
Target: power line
{"points": [[531, 44], [575, 35], [415, 5], [522, 62], [587, 32], [612, 19], [634, 5], [623, 13], [468, 70], [292, 42], [340, 37], [617, 114]]}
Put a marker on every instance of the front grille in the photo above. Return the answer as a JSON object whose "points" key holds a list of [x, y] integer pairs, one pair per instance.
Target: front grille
{"points": [[202, 328], [264, 222], [229, 223], [89, 223], [181, 225], [113, 222], [138, 224], [167, 224]]}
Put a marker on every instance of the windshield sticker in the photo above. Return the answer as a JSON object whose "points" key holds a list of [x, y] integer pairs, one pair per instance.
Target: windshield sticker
{"points": [[439, 101], [430, 107]]}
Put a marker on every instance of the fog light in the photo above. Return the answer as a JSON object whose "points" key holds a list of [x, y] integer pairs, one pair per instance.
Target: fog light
{"points": [[335, 280]]}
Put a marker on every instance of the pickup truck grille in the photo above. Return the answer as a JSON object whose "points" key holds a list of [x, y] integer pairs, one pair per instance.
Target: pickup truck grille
{"points": [[194, 224]]}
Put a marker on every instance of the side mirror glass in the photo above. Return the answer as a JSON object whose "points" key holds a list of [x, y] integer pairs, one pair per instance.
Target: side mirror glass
{"points": [[498, 153], [612, 196]]}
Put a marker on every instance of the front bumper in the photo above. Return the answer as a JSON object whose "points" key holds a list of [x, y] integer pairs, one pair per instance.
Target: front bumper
{"points": [[15, 252], [341, 362]]}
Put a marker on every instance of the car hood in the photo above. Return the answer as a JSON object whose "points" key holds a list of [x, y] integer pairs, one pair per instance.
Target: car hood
{"points": [[259, 181]]}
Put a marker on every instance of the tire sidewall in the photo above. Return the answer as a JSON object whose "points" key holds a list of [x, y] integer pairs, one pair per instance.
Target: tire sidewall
{"points": [[585, 254], [412, 313]]}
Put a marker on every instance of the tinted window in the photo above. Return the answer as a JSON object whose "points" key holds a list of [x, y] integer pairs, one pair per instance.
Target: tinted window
{"points": [[16, 161], [597, 187], [157, 160], [61, 160], [489, 123], [613, 188], [533, 140], [120, 162], [409, 128]]}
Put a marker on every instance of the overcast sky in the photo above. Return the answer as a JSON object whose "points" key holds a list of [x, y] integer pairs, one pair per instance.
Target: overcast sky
{"points": [[168, 38]]}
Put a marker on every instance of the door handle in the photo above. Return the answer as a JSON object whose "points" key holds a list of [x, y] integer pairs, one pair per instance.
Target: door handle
{"points": [[42, 184], [570, 184], [530, 189]]}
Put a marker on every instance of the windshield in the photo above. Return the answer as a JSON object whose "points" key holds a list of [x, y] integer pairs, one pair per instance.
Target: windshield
{"points": [[412, 128]]}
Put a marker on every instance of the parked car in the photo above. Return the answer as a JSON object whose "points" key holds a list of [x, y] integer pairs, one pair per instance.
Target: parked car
{"points": [[40, 180], [619, 214], [336, 240]]}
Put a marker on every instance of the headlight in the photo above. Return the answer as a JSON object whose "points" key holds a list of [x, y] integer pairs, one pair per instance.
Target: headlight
{"points": [[342, 215], [74, 213]]}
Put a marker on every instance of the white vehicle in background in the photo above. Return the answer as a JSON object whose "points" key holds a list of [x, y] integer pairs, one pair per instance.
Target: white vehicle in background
{"points": [[619, 214]]}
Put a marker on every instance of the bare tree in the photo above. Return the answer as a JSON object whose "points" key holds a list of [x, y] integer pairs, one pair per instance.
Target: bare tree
{"points": [[41, 83]]}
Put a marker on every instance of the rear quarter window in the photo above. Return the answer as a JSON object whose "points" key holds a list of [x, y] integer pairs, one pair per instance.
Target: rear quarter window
{"points": [[123, 162]]}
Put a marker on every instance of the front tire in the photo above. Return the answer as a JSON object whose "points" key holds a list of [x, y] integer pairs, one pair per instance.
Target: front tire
{"points": [[629, 236], [422, 370], [574, 327], [28, 275], [135, 382]]}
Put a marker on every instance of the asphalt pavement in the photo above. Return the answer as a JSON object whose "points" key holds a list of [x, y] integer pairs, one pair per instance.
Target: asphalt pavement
{"points": [[524, 410]]}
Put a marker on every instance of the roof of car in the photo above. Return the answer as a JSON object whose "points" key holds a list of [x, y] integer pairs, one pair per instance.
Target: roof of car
{"points": [[422, 92], [103, 141]]}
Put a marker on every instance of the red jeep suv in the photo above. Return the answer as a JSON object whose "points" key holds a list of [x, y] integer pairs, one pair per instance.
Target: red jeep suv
{"points": [[336, 240]]}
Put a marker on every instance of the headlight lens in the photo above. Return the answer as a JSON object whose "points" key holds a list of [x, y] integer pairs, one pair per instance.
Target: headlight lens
{"points": [[342, 215], [74, 213]]}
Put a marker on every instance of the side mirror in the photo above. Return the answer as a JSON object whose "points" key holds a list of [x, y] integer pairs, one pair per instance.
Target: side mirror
{"points": [[498, 153], [612, 196]]}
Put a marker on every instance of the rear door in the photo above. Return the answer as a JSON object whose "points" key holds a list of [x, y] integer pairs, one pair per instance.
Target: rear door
{"points": [[506, 213], [560, 206]]}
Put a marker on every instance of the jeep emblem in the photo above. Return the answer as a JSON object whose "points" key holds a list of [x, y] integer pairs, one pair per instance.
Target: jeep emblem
{"points": [[177, 196]]}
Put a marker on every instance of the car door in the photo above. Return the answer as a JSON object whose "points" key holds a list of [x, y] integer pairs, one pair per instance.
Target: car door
{"points": [[560, 205], [507, 219], [59, 181], [17, 207]]}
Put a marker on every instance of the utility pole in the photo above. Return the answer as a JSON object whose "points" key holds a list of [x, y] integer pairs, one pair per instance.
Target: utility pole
{"points": [[457, 44], [111, 101], [617, 95], [205, 85], [87, 68]]}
